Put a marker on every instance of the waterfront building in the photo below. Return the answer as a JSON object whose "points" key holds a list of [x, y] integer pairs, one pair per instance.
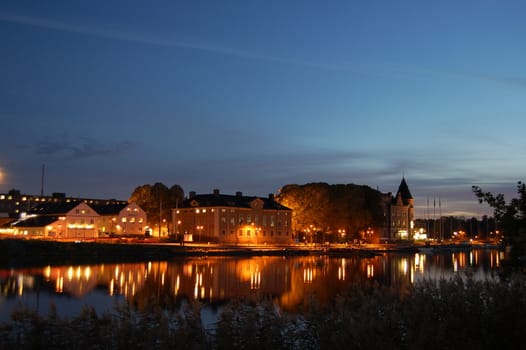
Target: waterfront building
{"points": [[232, 219], [60, 220], [120, 219], [62, 217], [399, 214]]}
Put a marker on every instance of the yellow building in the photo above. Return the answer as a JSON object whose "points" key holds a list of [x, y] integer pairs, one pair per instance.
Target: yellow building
{"points": [[71, 219], [233, 219], [121, 219], [63, 220]]}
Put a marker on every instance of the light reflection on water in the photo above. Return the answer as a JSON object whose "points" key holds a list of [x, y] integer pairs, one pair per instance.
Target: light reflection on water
{"points": [[289, 281]]}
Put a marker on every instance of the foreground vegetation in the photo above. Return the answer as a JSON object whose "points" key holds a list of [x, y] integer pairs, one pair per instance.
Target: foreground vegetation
{"points": [[446, 314]]}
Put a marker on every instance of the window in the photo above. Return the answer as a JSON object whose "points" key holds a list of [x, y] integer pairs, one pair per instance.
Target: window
{"points": [[124, 220]]}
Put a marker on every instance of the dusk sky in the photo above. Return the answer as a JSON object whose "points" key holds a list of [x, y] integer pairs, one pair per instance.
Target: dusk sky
{"points": [[253, 95]]}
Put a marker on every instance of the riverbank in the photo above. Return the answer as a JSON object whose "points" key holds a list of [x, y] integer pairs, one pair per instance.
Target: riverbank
{"points": [[34, 252]]}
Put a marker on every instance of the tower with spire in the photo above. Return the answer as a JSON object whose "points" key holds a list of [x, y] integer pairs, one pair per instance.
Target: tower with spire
{"points": [[399, 212]]}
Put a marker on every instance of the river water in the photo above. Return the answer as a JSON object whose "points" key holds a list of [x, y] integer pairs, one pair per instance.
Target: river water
{"points": [[290, 281]]}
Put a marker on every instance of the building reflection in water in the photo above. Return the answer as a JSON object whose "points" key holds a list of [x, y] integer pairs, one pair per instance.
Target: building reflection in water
{"points": [[290, 281]]}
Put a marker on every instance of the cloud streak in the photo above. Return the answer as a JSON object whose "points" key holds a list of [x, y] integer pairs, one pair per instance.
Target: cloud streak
{"points": [[371, 69], [138, 38], [65, 148]]}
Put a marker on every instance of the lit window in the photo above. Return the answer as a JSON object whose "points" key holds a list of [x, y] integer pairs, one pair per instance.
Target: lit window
{"points": [[124, 220]]}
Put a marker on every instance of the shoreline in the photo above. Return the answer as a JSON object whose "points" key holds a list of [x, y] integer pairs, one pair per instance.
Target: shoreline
{"points": [[15, 252]]}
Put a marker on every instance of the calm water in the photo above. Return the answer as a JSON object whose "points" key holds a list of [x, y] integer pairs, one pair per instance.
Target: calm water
{"points": [[290, 281]]}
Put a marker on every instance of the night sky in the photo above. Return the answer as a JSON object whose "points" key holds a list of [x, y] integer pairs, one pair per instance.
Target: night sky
{"points": [[253, 95]]}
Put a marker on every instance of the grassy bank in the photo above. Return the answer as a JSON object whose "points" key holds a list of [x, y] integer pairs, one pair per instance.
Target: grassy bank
{"points": [[449, 314]]}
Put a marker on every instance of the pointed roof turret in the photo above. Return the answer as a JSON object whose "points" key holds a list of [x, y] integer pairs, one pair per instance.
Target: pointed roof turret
{"points": [[403, 191]]}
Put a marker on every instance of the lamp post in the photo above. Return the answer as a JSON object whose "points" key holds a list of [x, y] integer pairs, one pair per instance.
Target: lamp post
{"points": [[199, 229], [341, 232]]}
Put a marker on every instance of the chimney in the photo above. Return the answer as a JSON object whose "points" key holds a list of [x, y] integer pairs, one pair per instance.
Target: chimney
{"points": [[271, 196], [191, 194], [216, 192], [239, 194]]}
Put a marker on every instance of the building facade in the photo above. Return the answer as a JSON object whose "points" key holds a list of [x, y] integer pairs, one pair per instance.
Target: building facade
{"points": [[121, 219], [399, 212], [14, 203], [232, 219], [62, 220], [70, 219]]}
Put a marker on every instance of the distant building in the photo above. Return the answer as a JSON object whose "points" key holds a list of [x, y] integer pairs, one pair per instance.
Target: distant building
{"points": [[14, 203], [233, 219], [399, 214]]}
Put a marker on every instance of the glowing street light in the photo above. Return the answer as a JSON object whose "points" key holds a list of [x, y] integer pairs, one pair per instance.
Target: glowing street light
{"points": [[199, 229]]}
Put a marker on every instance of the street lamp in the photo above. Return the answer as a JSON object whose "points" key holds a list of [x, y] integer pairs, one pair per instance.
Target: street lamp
{"points": [[341, 232], [199, 229]]}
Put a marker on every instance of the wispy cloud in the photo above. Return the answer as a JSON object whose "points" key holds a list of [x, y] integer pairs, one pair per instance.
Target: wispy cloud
{"points": [[66, 147], [138, 38], [378, 69], [190, 44]]}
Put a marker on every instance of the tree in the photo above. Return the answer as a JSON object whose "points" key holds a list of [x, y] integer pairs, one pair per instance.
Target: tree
{"points": [[320, 208], [157, 201], [510, 217]]}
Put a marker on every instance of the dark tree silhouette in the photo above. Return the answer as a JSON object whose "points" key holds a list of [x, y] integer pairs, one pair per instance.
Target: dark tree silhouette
{"points": [[157, 201], [510, 217], [322, 211]]}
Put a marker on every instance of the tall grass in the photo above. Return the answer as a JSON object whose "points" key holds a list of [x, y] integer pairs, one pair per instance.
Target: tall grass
{"points": [[446, 314]]}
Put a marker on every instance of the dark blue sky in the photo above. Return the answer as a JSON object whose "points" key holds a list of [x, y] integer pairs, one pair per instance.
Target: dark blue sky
{"points": [[252, 95]]}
